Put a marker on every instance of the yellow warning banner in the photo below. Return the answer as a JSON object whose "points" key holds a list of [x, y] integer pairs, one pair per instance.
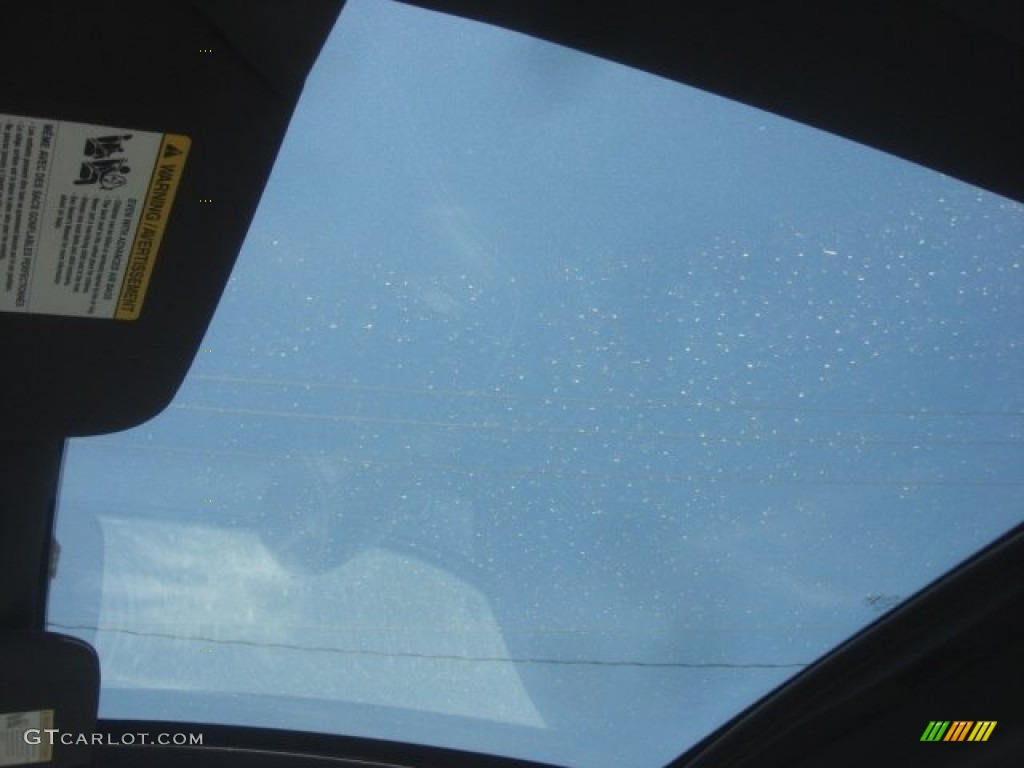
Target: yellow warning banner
{"points": [[170, 165]]}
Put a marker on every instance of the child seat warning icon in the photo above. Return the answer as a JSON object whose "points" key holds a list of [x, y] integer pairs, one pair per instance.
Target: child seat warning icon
{"points": [[104, 162], [83, 210]]}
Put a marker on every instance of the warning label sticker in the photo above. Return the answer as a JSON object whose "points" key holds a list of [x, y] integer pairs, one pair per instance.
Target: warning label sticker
{"points": [[83, 209], [22, 740]]}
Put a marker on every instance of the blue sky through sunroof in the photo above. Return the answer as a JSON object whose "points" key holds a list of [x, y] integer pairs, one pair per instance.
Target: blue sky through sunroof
{"points": [[553, 409]]}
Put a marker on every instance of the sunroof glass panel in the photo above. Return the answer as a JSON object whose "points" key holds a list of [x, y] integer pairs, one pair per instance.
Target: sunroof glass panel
{"points": [[553, 410]]}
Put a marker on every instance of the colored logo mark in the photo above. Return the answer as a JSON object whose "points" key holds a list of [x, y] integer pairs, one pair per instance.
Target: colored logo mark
{"points": [[958, 730]]}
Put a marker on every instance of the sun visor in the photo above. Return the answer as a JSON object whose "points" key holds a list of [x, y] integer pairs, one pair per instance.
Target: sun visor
{"points": [[135, 142], [49, 696]]}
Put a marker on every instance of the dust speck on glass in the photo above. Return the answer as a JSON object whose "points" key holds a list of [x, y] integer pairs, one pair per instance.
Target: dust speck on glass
{"points": [[553, 410]]}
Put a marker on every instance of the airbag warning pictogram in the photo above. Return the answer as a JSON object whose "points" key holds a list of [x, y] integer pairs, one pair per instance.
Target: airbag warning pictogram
{"points": [[83, 209]]}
